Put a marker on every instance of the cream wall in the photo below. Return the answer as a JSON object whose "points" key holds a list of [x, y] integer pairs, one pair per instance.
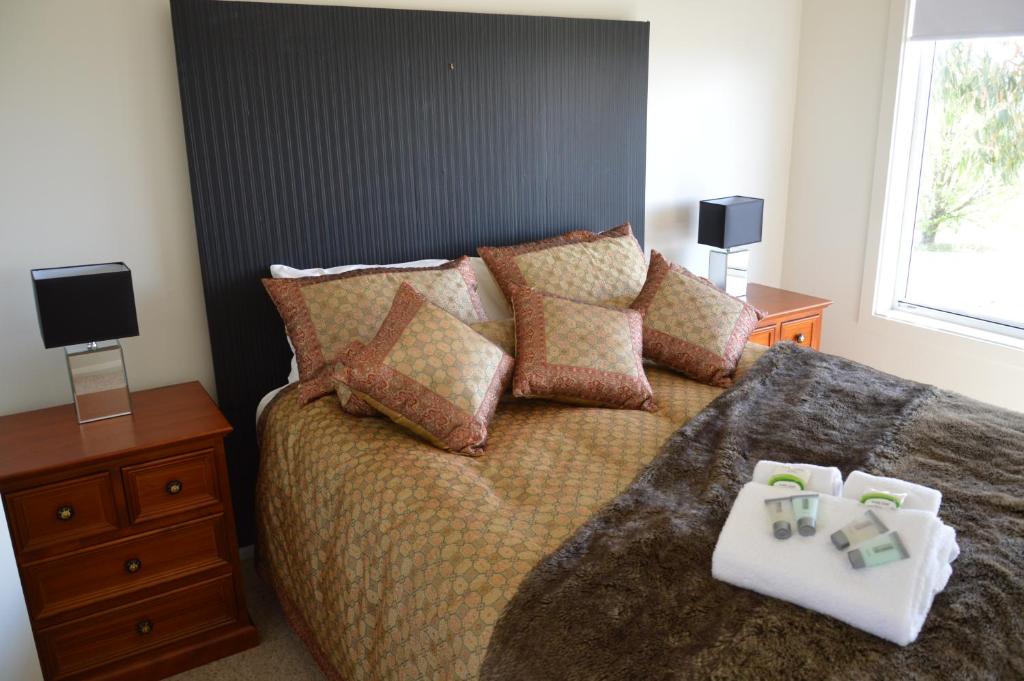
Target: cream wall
{"points": [[836, 191], [94, 168]]}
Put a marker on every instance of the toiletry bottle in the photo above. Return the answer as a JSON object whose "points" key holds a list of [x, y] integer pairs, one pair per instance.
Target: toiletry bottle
{"points": [[859, 530]]}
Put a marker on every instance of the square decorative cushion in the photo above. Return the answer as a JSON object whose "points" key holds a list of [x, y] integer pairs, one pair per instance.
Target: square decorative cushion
{"points": [[607, 268], [501, 332], [579, 353], [429, 372], [692, 326], [323, 315]]}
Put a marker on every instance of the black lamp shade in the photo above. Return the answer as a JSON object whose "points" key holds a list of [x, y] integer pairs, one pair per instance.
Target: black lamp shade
{"points": [[85, 303], [730, 221]]}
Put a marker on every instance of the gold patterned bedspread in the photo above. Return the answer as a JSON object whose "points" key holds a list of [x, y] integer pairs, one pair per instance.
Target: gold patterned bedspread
{"points": [[394, 559]]}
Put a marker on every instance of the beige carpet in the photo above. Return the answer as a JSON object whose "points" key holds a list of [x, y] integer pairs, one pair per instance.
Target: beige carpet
{"points": [[280, 654]]}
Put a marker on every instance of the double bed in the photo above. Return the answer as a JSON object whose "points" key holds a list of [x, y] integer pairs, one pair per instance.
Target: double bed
{"points": [[394, 560]]}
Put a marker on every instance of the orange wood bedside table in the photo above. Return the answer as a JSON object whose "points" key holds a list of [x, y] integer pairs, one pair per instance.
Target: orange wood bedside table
{"points": [[124, 536], [789, 316]]}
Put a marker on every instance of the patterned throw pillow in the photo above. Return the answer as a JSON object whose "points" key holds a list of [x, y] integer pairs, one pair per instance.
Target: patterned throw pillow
{"points": [[429, 372], [323, 315], [692, 326], [501, 332], [606, 268], [578, 353]]}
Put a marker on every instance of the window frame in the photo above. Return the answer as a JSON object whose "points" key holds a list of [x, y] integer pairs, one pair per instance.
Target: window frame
{"points": [[907, 92]]}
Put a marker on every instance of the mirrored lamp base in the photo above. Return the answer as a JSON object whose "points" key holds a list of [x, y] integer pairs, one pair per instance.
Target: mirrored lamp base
{"points": [[99, 382], [727, 269]]}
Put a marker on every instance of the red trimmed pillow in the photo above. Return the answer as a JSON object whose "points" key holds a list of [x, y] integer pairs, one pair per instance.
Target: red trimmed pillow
{"points": [[428, 371], [579, 353], [323, 315], [692, 326], [607, 268]]}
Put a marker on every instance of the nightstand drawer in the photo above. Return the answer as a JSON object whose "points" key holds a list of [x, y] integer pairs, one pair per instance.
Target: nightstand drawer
{"points": [[765, 336], [800, 331], [115, 634], [172, 485], [60, 584], [69, 512]]}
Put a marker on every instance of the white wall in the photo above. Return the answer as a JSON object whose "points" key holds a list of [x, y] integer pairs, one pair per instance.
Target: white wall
{"points": [[18, 657], [93, 160], [835, 198]]}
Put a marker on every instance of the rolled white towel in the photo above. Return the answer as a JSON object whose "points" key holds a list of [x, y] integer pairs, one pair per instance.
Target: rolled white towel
{"points": [[824, 479], [890, 601], [919, 497]]}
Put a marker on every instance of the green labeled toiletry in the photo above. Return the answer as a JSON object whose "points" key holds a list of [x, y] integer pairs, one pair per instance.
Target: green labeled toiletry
{"points": [[859, 530], [805, 510], [885, 548], [779, 511], [789, 476], [883, 499]]}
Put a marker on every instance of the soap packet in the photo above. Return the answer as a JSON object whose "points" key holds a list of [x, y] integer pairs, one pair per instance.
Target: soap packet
{"points": [[881, 498], [790, 477]]}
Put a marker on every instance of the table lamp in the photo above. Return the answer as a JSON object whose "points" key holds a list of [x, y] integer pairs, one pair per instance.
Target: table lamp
{"points": [[724, 225], [86, 309]]}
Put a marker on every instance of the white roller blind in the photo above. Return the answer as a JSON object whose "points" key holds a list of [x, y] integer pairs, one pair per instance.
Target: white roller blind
{"points": [[957, 19]]}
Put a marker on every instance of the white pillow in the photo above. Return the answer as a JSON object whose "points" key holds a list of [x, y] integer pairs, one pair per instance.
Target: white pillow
{"points": [[285, 272], [491, 297]]}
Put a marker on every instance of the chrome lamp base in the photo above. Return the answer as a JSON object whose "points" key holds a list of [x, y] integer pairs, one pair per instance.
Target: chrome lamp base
{"points": [[727, 269], [99, 382]]}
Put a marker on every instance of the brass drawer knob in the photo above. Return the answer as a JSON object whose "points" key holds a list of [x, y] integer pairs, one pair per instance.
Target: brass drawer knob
{"points": [[173, 487], [800, 338], [144, 627], [66, 512], [132, 565]]}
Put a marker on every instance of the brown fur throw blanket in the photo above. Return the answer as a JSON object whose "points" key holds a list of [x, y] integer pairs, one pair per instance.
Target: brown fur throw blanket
{"points": [[630, 595]]}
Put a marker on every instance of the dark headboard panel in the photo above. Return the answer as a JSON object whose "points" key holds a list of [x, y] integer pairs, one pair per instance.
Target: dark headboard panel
{"points": [[325, 135]]}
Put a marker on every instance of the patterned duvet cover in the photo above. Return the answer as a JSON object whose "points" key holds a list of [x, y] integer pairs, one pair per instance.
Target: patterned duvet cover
{"points": [[393, 559]]}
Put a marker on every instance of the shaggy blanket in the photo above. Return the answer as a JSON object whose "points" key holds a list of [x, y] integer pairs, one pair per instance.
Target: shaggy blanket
{"points": [[630, 595]]}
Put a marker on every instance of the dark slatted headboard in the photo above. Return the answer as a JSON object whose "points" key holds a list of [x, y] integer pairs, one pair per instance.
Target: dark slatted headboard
{"points": [[324, 135]]}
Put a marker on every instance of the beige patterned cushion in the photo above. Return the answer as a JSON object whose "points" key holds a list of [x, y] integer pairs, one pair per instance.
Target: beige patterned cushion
{"points": [[429, 372], [606, 268], [579, 353], [692, 326], [323, 315], [501, 332]]}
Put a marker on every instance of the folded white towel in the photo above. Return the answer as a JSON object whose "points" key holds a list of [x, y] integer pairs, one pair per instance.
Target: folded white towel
{"points": [[890, 601], [824, 479], [919, 497]]}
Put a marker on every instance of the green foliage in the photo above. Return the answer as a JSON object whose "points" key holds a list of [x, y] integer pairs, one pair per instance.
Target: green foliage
{"points": [[974, 148]]}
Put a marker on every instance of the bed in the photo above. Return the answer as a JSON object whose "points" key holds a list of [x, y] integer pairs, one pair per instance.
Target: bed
{"points": [[394, 560]]}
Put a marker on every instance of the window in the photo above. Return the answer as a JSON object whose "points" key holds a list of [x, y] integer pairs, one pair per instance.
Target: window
{"points": [[953, 242]]}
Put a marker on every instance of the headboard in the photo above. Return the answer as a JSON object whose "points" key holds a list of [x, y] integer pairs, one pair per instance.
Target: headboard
{"points": [[325, 135]]}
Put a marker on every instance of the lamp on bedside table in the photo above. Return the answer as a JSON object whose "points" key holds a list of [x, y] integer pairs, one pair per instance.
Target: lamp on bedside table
{"points": [[725, 224], [85, 309]]}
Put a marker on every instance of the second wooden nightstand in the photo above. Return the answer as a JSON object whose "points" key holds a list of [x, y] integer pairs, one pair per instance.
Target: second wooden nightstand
{"points": [[789, 316], [124, 536]]}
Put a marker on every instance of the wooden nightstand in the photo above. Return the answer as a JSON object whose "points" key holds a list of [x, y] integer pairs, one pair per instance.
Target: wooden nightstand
{"points": [[789, 316], [125, 537]]}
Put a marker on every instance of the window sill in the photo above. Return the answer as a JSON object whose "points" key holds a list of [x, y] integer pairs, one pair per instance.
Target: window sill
{"points": [[923, 321]]}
